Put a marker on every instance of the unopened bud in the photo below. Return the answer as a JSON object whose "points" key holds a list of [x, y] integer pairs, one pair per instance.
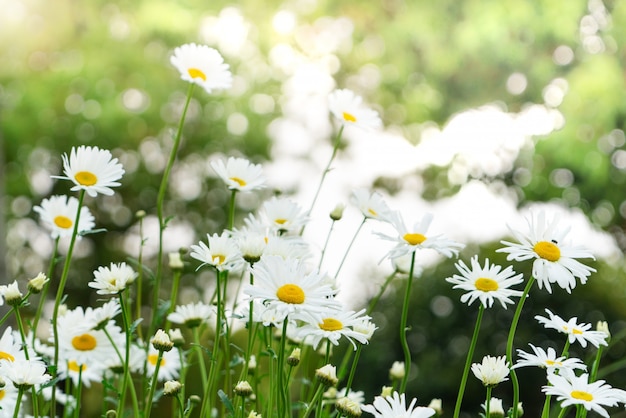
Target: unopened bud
{"points": [[172, 388], [176, 262], [243, 389], [161, 341], [337, 213], [327, 375], [36, 284], [294, 358]]}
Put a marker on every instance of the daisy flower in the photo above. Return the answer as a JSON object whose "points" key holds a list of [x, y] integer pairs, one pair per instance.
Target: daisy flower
{"points": [[371, 204], [334, 325], [79, 343], [495, 407], [486, 283], [239, 174], [221, 253], [192, 315], [576, 332], [202, 65], [492, 370], [395, 406], [348, 108], [92, 169], [8, 400], [409, 241], [101, 316], [286, 287], [58, 213], [112, 280], [282, 214], [27, 373], [170, 364], [10, 349], [87, 373], [577, 390], [555, 260], [547, 360]]}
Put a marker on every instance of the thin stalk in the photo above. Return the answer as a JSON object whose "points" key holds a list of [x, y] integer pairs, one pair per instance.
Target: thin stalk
{"points": [[153, 384], [138, 302], [18, 402], [345, 255], [468, 361], [282, 390], [44, 291], [314, 401], [509, 344], [231, 210], [330, 231], [160, 200], [127, 381], [326, 170], [380, 293], [173, 297], [403, 329], [78, 391], [62, 282], [200, 355], [353, 370], [488, 402]]}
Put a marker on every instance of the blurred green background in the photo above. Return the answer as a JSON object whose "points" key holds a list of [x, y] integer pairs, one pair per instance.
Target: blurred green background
{"points": [[98, 73]]}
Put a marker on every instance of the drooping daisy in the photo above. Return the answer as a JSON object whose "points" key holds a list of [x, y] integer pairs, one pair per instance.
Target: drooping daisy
{"points": [[395, 406], [92, 169], [371, 204], [58, 214], [334, 325], [576, 332], [113, 279], [555, 260], [169, 368], [192, 314], [577, 390], [27, 373], [492, 370], [240, 174], [286, 287], [202, 65], [282, 214], [486, 283], [547, 360], [410, 240], [221, 253], [349, 109]]}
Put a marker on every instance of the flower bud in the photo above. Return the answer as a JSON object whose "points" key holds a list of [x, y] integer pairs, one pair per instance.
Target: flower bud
{"points": [[436, 405], [12, 294], [386, 391], [172, 388], [337, 213], [294, 358], [348, 407], [327, 375], [604, 327], [176, 262], [243, 389], [161, 341], [36, 284], [176, 336], [397, 370]]}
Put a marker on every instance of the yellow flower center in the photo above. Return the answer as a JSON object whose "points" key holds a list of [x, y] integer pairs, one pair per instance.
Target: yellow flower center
{"points": [[86, 178], [2, 392], [582, 395], [576, 331], [552, 363], [486, 285], [239, 181], [280, 221], [218, 259], [290, 293], [6, 356], [349, 117], [84, 342], [152, 358], [63, 222], [331, 324], [547, 250], [196, 73], [113, 281], [75, 367], [372, 212], [414, 239]]}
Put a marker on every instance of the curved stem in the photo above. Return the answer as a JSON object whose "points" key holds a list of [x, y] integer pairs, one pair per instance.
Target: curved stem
{"points": [[153, 384], [44, 291], [330, 231], [509, 344], [345, 255], [468, 361], [160, 200], [326, 170], [403, 329], [62, 282], [353, 370]]}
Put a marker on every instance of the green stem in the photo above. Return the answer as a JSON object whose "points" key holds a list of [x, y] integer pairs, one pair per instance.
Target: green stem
{"points": [[174, 296], [282, 390], [509, 344], [160, 200], [153, 384], [345, 255], [380, 293], [127, 381], [78, 390], [44, 291], [231, 211], [488, 401], [545, 413], [326, 171], [403, 329], [353, 370], [314, 401], [62, 282], [20, 326], [200, 354], [138, 302], [18, 402], [330, 231], [468, 361]]}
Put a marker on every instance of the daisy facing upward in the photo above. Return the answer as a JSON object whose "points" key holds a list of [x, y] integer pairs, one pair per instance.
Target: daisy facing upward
{"points": [[555, 261]]}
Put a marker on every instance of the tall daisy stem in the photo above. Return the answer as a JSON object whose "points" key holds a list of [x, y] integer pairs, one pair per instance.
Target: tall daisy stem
{"points": [[62, 282], [488, 402], [153, 384], [345, 255], [468, 361], [160, 201], [509, 344], [403, 328], [44, 291], [231, 210]]}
